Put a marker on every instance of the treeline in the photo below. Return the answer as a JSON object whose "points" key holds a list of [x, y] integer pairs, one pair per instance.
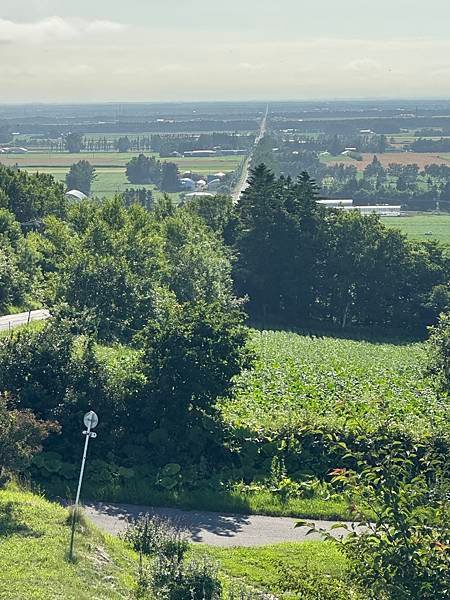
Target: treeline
{"points": [[336, 144], [298, 261], [407, 185], [354, 126], [424, 145]]}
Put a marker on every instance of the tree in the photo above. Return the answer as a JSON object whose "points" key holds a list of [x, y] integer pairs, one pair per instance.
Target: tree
{"points": [[375, 169], [73, 142], [81, 176], [142, 196], [170, 178], [31, 197], [190, 355], [439, 353], [143, 169], [123, 144]]}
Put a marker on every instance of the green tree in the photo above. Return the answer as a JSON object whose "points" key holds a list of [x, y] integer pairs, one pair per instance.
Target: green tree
{"points": [[73, 142], [123, 144], [190, 355], [170, 177], [21, 438], [143, 169], [31, 197], [81, 177], [402, 552]]}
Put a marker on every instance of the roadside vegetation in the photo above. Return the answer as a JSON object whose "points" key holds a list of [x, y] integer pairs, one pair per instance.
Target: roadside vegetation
{"points": [[150, 305]]}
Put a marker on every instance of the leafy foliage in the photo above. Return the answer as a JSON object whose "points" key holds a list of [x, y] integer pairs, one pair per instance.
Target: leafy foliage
{"points": [[403, 551]]}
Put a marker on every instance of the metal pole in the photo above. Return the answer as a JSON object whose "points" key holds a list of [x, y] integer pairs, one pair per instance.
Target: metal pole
{"points": [[80, 481]]}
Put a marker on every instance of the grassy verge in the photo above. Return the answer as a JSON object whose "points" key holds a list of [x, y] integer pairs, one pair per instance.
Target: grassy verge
{"points": [[34, 539], [286, 570], [259, 502]]}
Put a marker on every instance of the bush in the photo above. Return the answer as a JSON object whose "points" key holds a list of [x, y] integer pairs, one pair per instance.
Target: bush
{"points": [[403, 552], [21, 437], [439, 353], [196, 580], [152, 536]]}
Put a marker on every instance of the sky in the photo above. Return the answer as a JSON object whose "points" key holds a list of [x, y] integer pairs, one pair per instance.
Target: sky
{"points": [[183, 50]]}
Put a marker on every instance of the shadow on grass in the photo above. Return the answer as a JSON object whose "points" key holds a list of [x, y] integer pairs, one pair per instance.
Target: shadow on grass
{"points": [[394, 336], [10, 523]]}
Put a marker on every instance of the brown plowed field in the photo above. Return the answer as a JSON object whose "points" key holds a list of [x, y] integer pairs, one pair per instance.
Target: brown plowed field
{"points": [[422, 159]]}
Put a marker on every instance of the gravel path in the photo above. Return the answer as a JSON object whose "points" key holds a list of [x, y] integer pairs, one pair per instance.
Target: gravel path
{"points": [[211, 528]]}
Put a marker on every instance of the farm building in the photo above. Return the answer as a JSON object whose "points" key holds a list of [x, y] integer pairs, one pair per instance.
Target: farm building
{"points": [[187, 184], [383, 210], [336, 203], [75, 195]]}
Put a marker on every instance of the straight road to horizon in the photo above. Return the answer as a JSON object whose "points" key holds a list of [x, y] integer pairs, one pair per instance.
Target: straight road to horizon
{"points": [[243, 182]]}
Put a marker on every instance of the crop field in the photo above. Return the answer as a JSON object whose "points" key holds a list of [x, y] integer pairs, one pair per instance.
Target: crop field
{"points": [[422, 159], [203, 165], [299, 378], [421, 227], [110, 167]]}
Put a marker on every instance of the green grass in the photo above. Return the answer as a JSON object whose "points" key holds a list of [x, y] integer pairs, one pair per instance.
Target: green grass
{"points": [[418, 227], [34, 538], [280, 569]]}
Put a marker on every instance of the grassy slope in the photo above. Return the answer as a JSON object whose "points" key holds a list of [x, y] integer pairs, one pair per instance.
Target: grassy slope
{"points": [[279, 568], [33, 555]]}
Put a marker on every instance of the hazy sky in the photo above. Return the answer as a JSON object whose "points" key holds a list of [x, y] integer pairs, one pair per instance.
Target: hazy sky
{"points": [[92, 50]]}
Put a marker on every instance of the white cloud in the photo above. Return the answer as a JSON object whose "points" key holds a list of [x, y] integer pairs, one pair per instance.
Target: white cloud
{"points": [[54, 29], [363, 65]]}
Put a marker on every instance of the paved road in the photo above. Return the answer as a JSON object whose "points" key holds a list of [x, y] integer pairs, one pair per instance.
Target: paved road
{"points": [[243, 182], [10, 321], [210, 528]]}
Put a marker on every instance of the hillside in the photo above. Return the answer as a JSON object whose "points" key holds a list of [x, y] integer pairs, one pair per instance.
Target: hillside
{"points": [[34, 538]]}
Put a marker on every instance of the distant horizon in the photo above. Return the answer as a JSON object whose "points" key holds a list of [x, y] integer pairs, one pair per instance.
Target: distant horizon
{"points": [[232, 101], [60, 52]]}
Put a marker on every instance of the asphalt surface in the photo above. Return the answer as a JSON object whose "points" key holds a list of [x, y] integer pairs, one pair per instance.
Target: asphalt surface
{"points": [[10, 321], [211, 528], [243, 183]]}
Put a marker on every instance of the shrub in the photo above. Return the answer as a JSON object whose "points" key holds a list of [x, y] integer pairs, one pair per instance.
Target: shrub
{"points": [[21, 437], [152, 536], [403, 552], [196, 580]]}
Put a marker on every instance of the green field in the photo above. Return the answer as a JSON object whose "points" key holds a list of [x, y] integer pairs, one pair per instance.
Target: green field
{"points": [[110, 167], [109, 180], [299, 379], [426, 226], [203, 165]]}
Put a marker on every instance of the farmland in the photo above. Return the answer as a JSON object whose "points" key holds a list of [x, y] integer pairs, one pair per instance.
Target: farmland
{"points": [[299, 378], [110, 166], [422, 159], [421, 227]]}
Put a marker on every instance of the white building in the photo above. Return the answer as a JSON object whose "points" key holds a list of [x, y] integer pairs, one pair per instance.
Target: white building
{"points": [[382, 210]]}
